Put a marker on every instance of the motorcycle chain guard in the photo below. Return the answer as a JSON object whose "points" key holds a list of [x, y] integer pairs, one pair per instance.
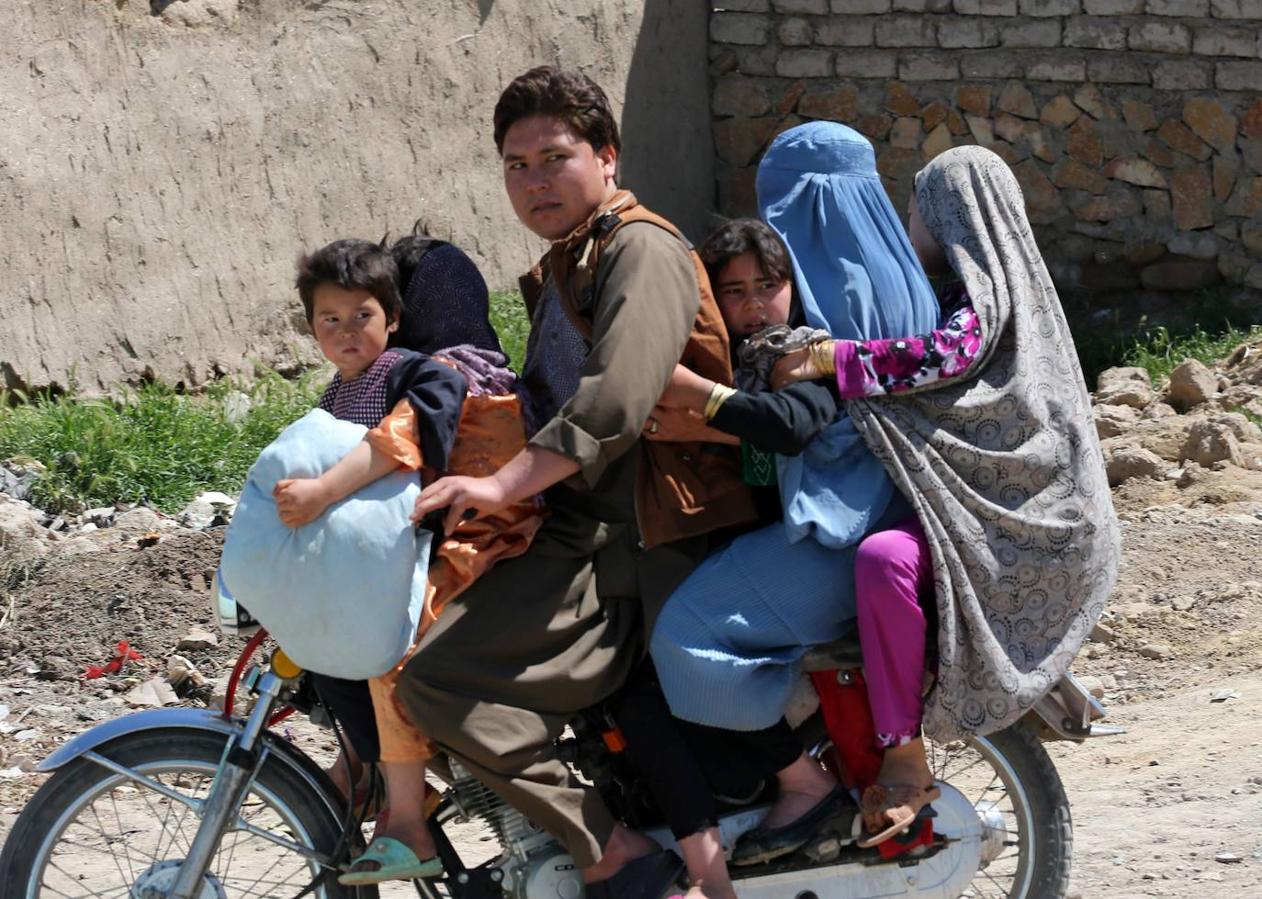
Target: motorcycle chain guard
{"points": [[943, 875]]}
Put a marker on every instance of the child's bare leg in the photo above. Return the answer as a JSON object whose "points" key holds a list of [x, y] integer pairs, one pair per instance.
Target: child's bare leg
{"points": [[707, 868], [405, 797], [346, 771]]}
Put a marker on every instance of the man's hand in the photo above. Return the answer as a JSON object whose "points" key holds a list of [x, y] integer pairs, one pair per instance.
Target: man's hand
{"points": [[794, 367], [300, 501], [676, 425], [482, 496]]}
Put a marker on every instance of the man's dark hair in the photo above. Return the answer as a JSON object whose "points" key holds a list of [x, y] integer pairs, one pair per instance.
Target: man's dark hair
{"points": [[738, 236], [569, 96], [351, 265]]}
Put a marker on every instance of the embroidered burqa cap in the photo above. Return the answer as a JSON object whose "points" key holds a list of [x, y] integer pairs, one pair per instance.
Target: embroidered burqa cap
{"points": [[857, 277]]}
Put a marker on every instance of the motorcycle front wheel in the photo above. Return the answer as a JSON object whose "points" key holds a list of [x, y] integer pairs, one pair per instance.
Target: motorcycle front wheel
{"points": [[1013, 784], [92, 832]]}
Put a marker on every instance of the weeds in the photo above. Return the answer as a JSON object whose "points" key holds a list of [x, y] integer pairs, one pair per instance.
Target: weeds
{"points": [[508, 315], [1160, 351], [160, 446], [156, 445]]}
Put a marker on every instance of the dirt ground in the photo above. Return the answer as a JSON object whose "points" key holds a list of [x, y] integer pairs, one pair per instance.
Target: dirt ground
{"points": [[1153, 808], [1169, 808]]}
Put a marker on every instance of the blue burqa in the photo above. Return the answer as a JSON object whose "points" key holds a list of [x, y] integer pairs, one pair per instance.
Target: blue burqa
{"points": [[858, 278]]}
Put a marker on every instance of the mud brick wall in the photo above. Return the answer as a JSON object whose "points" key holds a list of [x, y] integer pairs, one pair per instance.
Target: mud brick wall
{"points": [[1134, 126], [162, 163]]}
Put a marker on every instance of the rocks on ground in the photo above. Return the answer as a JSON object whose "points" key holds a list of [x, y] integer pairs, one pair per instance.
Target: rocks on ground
{"points": [[1192, 440]]}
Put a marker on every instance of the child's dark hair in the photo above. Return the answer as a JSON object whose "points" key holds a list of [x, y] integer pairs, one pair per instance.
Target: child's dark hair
{"points": [[570, 96], [739, 236], [351, 265]]}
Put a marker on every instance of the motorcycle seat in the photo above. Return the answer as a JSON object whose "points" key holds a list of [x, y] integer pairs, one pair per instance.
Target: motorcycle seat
{"points": [[843, 653]]}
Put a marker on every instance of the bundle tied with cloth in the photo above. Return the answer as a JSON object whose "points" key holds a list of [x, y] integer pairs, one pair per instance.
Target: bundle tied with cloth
{"points": [[343, 594]]}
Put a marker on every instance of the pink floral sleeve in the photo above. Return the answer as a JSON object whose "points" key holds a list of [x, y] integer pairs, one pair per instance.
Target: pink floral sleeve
{"points": [[879, 367]]}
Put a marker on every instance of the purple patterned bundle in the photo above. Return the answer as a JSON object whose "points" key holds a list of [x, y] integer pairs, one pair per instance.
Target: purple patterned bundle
{"points": [[486, 370]]}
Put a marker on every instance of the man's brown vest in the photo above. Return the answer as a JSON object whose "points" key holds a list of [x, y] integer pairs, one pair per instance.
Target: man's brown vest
{"points": [[682, 489]]}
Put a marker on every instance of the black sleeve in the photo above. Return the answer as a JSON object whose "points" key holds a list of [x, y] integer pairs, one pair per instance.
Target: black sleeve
{"points": [[437, 393], [782, 422]]}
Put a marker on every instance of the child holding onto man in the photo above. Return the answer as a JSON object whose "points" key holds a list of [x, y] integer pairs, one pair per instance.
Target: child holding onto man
{"points": [[450, 412]]}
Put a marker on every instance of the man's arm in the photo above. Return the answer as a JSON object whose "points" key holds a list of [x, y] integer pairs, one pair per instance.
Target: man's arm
{"points": [[645, 307]]}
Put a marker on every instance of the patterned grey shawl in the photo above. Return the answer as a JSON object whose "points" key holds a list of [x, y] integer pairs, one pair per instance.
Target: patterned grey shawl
{"points": [[1002, 465]]}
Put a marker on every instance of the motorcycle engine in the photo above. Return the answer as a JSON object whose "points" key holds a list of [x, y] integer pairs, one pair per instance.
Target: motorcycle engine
{"points": [[531, 864]]}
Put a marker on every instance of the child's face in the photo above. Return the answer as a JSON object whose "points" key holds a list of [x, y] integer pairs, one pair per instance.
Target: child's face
{"points": [[748, 299], [350, 326], [554, 178], [927, 249]]}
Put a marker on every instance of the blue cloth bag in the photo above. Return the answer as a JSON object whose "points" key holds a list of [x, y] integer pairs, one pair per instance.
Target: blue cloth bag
{"points": [[858, 278], [343, 594]]}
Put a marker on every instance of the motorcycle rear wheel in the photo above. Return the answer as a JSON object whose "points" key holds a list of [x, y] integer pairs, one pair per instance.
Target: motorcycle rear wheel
{"points": [[1012, 782], [90, 832]]}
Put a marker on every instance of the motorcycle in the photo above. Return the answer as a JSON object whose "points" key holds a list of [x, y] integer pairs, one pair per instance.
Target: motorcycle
{"points": [[206, 804]]}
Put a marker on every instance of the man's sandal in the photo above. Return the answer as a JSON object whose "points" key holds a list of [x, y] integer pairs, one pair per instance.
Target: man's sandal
{"points": [[394, 861], [900, 804]]}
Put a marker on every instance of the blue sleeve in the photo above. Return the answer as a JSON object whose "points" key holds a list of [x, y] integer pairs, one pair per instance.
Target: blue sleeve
{"points": [[436, 393]]}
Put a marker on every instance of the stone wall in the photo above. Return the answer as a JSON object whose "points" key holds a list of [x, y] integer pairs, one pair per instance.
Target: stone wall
{"points": [[1134, 126], [159, 173]]}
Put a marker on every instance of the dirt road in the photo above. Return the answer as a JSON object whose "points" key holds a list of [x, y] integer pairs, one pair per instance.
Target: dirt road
{"points": [[1155, 807]]}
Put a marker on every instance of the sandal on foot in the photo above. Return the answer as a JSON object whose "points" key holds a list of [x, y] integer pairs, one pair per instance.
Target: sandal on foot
{"points": [[394, 861], [763, 844], [900, 804]]}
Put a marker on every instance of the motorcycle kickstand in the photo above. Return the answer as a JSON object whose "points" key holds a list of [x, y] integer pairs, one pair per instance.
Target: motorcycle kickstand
{"points": [[229, 787]]}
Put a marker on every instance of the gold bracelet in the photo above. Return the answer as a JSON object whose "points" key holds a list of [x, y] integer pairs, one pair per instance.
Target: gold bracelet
{"points": [[719, 394], [824, 357]]}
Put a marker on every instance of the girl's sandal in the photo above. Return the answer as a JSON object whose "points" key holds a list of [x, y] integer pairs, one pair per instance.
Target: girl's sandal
{"points": [[900, 804], [394, 861]]}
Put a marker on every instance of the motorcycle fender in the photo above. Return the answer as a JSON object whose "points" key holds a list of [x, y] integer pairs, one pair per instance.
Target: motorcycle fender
{"points": [[150, 719], [195, 719]]}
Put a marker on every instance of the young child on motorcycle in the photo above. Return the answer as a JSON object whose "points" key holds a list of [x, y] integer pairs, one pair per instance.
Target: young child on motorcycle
{"points": [[453, 412]]}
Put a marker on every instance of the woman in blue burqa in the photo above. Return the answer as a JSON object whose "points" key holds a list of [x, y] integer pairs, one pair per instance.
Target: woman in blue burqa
{"points": [[729, 642]]}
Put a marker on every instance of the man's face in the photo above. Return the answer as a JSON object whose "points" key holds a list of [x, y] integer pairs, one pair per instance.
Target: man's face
{"points": [[554, 178], [350, 326]]}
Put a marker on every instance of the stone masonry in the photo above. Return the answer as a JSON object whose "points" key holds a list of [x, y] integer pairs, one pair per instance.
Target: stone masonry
{"points": [[1134, 126]]}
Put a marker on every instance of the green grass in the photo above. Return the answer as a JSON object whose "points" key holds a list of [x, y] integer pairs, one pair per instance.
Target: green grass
{"points": [[1160, 350], [508, 315], [160, 446], [155, 445]]}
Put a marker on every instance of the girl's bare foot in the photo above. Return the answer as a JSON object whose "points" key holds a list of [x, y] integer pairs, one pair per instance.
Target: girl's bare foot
{"points": [[903, 786], [405, 798], [906, 764]]}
